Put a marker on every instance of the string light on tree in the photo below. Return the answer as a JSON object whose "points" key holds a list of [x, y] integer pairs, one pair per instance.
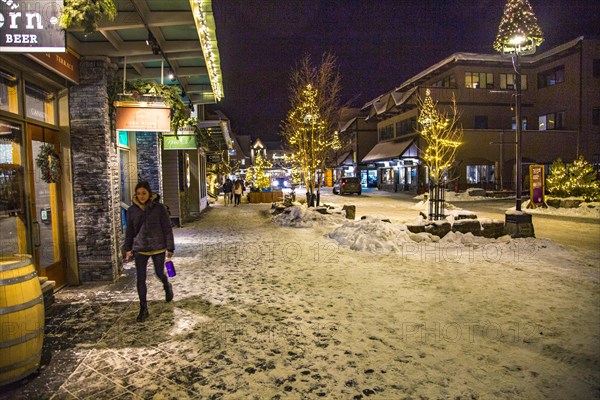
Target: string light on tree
{"points": [[441, 134], [309, 128], [519, 29]]}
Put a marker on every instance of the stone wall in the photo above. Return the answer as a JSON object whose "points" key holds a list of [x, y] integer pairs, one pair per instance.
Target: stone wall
{"points": [[149, 160], [95, 171]]}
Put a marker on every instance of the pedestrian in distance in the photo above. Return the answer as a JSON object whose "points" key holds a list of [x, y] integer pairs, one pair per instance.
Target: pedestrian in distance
{"points": [[148, 235], [227, 192], [238, 189]]}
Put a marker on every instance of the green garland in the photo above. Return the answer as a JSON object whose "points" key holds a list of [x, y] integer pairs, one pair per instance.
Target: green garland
{"points": [[170, 94], [49, 164], [87, 13]]}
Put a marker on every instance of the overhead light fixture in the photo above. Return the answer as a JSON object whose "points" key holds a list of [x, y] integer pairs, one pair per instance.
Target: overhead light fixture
{"points": [[150, 41], [171, 74]]}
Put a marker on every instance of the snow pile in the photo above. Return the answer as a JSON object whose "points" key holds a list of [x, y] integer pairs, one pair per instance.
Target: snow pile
{"points": [[586, 210], [301, 216], [371, 234], [452, 196], [423, 205]]}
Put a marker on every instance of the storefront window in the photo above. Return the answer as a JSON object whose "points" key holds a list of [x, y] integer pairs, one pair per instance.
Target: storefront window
{"points": [[387, 176], [480, 174], [40, 103], [8, 92], [12, 188]]}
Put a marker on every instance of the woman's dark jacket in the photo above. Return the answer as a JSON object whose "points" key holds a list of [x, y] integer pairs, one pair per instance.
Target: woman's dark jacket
{"points": [[148, 228], [228, 187]]}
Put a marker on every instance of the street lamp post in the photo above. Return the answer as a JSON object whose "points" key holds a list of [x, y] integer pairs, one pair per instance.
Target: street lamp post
{"points": [[518, 35], [518, 131]]}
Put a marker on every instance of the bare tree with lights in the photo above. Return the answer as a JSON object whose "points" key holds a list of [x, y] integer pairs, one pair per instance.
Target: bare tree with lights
{"points": [[442, 136], [309, 128]]}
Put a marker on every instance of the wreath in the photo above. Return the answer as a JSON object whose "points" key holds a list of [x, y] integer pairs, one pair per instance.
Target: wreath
{"points": [[49, 164]]}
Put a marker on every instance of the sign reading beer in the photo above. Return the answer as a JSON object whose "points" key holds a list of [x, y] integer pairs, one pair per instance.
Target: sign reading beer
{"points": [[536, 186], [143, 119], [31, 26], [181, 142]]}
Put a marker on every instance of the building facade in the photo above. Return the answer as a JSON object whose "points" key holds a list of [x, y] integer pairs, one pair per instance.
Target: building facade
{"points": [[560, 116], [64, 101]]}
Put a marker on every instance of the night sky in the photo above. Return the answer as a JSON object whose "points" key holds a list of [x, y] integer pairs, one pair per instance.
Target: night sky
{"points": [[379, 45]]}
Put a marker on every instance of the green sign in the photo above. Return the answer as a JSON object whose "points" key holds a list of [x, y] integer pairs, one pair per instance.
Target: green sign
{"points": [[123, 138], [181, 142]]}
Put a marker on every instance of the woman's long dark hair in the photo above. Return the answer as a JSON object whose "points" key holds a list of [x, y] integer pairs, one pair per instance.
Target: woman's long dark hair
{"points": [[143, 185]]}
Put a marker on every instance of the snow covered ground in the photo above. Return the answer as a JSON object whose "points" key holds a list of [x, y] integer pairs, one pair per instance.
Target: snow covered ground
{"points": [[309, 306]]}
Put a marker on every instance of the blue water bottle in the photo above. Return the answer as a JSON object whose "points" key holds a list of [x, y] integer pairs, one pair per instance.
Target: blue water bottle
{"points": [[170, 268]]}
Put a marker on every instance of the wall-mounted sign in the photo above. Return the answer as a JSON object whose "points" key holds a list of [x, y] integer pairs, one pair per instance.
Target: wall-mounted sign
{"points": [[64, 64], [214, 158], [144, 119], [181, 142], [31, 26], [536, 187]]}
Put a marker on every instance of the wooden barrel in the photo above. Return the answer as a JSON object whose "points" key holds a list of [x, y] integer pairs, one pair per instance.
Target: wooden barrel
{"points": [[21, 318]]}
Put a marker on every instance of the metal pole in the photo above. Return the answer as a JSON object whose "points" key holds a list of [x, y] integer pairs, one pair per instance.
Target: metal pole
{"points": [[518, 129]]}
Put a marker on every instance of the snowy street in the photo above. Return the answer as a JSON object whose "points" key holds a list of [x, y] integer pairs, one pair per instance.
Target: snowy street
{"points": [[335, 310]]}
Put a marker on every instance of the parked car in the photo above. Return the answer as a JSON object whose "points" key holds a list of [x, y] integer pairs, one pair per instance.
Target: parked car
{"points": [[347, 185]]}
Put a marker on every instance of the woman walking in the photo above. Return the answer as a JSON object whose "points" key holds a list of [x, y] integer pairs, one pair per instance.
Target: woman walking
{"points": [[148, 235], [238, 189]]}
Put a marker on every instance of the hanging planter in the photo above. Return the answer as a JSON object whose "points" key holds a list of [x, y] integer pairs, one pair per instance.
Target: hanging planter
{"points": [[49, 164], [86, 13]]}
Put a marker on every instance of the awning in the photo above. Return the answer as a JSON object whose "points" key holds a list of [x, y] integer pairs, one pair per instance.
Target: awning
{"points": [[387, 151], [217, 132], [345, 159]]}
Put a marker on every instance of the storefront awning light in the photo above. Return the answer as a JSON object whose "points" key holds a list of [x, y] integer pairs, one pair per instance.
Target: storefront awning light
{"points": [[203, 17]]}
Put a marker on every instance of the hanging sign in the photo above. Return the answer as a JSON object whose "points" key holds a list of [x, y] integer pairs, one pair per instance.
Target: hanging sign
{"points": [[214, 158], [143, 119], [536, 186], [181, 142], [31, 26], [65, 64]]}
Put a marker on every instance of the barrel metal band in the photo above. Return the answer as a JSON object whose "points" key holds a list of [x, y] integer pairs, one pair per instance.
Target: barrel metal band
{"points": [[22, 339], [19, 307], [19, 264], [18, 279], [33, 358]]}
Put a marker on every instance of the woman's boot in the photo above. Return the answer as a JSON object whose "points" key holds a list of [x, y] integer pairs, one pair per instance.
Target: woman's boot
{"points": [[143, 313], [168, 292]]}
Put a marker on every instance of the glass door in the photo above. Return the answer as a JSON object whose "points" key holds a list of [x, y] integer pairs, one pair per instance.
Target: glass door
{"points": [[13, 216], [46, 210]]}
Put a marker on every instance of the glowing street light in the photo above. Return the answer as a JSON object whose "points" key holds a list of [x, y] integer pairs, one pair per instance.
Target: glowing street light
{"points": [[518, 35]]}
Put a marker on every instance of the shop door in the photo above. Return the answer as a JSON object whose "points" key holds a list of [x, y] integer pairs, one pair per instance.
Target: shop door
{"points": [[46, 210]]}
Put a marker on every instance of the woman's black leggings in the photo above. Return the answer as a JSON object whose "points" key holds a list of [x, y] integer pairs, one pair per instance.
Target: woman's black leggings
{"points": [[141, 263]]}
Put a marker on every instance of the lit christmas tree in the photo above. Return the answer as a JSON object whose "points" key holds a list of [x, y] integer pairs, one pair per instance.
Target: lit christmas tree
{"points": [[257, 174], [556, 182], [578, 179], [582, 180], [518, 28]]}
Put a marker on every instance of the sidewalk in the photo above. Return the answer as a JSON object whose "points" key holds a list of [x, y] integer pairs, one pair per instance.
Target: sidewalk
{"points": [[263, 311]]}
